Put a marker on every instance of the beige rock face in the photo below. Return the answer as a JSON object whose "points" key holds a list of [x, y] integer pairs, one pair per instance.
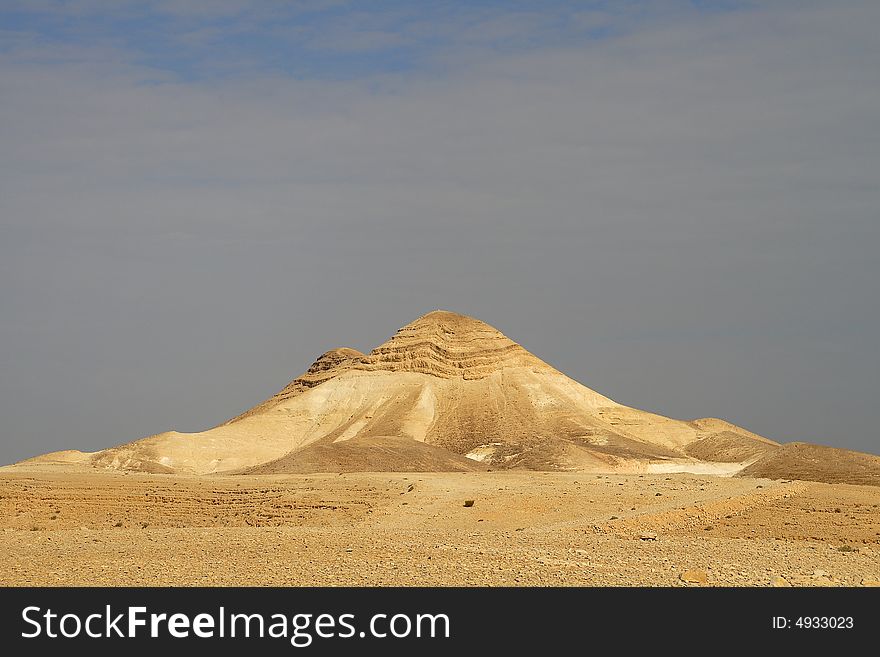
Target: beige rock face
{"points": [[451, 382]]}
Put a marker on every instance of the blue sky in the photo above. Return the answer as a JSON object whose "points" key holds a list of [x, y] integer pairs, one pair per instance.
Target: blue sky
{"points": [[675, 203], [324, 39]]}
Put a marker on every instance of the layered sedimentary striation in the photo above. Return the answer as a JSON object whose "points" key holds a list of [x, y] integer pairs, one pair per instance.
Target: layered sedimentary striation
{"points": [[440, 344], [329, 365], [447, 381], [448, 345]]}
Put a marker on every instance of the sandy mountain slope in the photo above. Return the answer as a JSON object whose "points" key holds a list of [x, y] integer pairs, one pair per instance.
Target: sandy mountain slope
{"points": [[723, 442], [446, 380], [817, 463], [379, 454]]}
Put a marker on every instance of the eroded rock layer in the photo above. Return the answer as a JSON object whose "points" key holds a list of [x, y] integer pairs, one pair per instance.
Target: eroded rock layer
{"points": [[448, 345]]}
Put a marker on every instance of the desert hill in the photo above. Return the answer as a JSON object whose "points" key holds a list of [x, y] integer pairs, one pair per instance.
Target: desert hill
{"points": [[448, 382], [723, 442], [816, 463]]}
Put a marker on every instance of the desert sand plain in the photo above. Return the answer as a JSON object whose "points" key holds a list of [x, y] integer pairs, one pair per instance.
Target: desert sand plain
{"points": [[448, 455], [524, 528]]}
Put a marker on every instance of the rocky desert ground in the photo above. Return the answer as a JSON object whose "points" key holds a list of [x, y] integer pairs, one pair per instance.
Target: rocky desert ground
{"points": [[524, 529]]}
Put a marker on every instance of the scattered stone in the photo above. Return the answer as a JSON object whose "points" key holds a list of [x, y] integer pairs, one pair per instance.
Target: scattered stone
{"points": [[694, 577], [468, 503], [810, 580], [871, 582], [779, 582], [648, 536]]}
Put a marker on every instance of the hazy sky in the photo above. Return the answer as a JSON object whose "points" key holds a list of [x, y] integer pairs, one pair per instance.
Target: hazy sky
{"points": [[675, 203]]}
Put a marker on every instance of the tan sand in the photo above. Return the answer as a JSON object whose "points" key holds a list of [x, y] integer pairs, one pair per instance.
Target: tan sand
{"points": [[525, 528]]}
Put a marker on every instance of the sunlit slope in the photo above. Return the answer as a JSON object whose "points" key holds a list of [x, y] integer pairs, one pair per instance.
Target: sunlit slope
{"points": [[450, 381]]}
